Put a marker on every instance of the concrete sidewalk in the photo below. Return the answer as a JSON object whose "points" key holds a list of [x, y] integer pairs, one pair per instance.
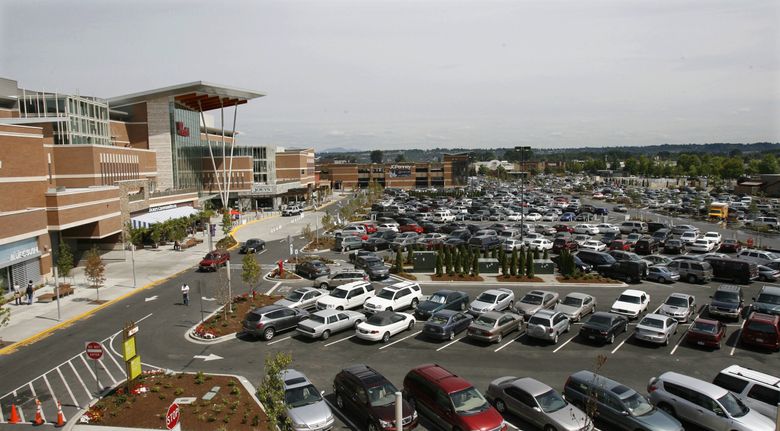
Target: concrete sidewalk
{"points": [[29, 323]]}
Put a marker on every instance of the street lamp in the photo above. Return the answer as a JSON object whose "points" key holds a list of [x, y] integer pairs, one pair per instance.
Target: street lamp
{"points": [[522, 151]]}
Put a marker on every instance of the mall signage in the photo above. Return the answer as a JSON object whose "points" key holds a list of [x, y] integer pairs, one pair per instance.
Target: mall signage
{"points": [[21, 254], [181, 129]]}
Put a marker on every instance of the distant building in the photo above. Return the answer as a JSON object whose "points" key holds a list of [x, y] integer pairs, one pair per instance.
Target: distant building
{"points": [[766, 184], [406, 175]]}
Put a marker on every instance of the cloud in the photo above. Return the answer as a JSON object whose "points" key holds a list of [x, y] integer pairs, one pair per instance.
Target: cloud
{"points": [[336, 133]]}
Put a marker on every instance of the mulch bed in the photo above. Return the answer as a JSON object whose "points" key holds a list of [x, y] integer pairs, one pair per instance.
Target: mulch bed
{"points": [[231, 409], [287, 275], [218, 326], [586, 279], [456, 277], [519, 279]]}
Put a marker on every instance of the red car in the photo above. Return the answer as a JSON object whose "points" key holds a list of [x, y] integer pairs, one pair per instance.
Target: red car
{"points": [[412, 227], [730, 246], [561, 244], [563, 228], [761, 330], [214, 260], [619, 244], [370, 227], [706, 332]]}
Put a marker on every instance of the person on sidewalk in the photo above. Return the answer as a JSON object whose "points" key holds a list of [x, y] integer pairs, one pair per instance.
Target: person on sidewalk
{"points": [[185, 294], [176, 246], [30, 291], [17, 294]]}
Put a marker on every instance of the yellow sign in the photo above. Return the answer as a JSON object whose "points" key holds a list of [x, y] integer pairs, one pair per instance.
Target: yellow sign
{"points": [[128, 348], [134, 367]]}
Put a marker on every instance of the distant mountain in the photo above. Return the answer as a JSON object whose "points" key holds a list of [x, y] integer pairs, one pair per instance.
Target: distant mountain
{"points": [[340, 150]]}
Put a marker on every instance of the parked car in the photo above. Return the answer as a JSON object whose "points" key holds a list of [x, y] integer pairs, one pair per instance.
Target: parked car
{"points": [[593, 245], [548, 325], [674, 246], [536, 300], [631, 303], [730, 246], [662, 274], [706, 332], [619, 244], [630, 271], [323, 323], [369, 399], [761, 330], [734, 270], [661, 235], [374, 267], [575, 305], [645, 246], [679, 306], [655, 259], [540, 244], [536, 403], [348, 242], [446, 324], [692, 271], [348, 296], [560, 244], [305, 406], [338, 278], [595, 258], [633, 227], [449, 400], [252, 245], [312, 269], [492, 326], [603, 327], [682, 228], [727, 301], [492, 300], [617, 404], [703, 403], [214, 260], [399, 296], [382, 325], [269, 320], [768, 300], [442, 300], [302, 297], [759, 391], [759, 257], [291, 211], [484, 242], [656, 328]]}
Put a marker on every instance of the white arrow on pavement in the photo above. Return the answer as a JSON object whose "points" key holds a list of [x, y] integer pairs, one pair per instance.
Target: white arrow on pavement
{"points": [[210, 357], [209, 299], [151, 298]]}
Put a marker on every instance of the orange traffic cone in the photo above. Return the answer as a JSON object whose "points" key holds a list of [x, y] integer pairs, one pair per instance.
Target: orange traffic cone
{"points": [[38, 413], [60, 417], [14, 419]]}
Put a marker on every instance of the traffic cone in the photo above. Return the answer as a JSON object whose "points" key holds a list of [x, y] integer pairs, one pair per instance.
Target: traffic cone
{"points": [[14, 419], [60, 417], [38, 414]]}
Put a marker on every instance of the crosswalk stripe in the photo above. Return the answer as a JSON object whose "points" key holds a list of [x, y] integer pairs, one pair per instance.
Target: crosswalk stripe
{"points": [[90, 370], [89, 394], [121, 369], [67, 388], [19, 410], [35, 396], [53, 395], [103, 366]]}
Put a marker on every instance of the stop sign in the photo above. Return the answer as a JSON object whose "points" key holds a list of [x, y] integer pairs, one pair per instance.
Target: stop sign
{"points": [[94, 350], [172, 417]]}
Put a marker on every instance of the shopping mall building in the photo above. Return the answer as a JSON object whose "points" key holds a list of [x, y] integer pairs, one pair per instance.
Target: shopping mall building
{"points": [[79, 169]]}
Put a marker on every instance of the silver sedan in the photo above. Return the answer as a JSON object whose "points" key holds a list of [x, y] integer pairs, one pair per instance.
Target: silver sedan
{"points": [[324, 323], [492, 300], [575, 305], [656, 328], [304, 298]]}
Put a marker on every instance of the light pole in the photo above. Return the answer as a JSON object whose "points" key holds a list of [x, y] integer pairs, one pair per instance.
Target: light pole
{"points": [[522, 151]]}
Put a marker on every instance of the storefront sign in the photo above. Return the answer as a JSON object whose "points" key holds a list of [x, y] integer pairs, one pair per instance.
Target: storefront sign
{"points": [[400, 171], [181, 129], [162, 208], [21, 254], [19, 251]]}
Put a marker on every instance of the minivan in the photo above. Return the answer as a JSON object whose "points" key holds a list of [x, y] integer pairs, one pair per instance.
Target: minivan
{"points": [[633, 227], [735, 270], [759, 391], [759, 257], [484, 242], [616, 403], [705, 404], [768, 300], [692, 271]]}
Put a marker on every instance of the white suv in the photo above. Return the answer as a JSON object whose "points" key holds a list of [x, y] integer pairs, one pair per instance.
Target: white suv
{"points": [[399, 296], [759, 391], [347, 296]]}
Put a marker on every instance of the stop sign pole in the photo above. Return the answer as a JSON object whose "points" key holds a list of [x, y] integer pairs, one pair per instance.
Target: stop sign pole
{"points": [[94, 351]]}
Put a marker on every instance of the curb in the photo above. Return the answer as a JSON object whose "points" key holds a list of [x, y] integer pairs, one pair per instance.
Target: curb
{"points": [[202, 341]]}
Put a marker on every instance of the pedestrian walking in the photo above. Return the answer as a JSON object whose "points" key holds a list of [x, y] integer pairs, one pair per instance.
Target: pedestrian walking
{"points": [[185, 294], [17, 294], [30, 291]]}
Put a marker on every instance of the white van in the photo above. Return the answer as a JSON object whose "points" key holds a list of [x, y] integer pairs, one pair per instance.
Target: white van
{"points": [[443, 216], [757, 390], [633, 227]]}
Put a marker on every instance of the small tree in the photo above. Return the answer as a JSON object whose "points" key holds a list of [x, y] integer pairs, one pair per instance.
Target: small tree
{"points": [[399, 261], [546, 255], [95, 270], [439, 263], [513, 263], [502, 260], [530, 265], [307, 232], [521, 258], [156, 234], [5, 312], [270, 391], [227, 223], [64, 260], [410, 255], [448, 260], [475, 265], [250, 271]]}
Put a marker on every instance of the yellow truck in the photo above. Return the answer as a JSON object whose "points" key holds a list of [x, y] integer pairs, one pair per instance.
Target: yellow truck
{"points": [[719, 210]]}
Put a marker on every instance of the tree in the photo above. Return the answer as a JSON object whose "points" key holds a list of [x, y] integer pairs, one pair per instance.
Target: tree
{"points": [[521, 258], [400, 158], [64, 260], [250, 271], [95, 270], [475, 265], [227, 223], [270, 391], [546, 255], [502, 260], [377, 156], [513, 263], [399, 261], [768, 165], [410, 255], [439, 262], [448, 260], [529, 272], [308, 233], [732, 168]]}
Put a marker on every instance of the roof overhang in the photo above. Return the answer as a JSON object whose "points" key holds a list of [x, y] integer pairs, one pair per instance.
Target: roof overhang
{"points": [[194, 95]]}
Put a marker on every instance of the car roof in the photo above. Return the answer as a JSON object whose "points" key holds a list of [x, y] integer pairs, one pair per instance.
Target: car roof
{"points": [[294, 378], [633, 292], [532, 386], [267, 309], [545, 313], [680, 295], [709, 321], [578, 295], [772, 290], [364, 373], [326, 312], [752, 375], [446, 380], [705, 388], [447, 313], [729, 288], [764, 317]]}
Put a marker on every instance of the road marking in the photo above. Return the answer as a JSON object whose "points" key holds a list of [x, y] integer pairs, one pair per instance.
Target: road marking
{"points": [[32, 391], [273, 288], [450, 343], [209, 357], [620, 345], [338, 341], [151, 298], [682, 338], [89, 394], [565, 343], [103, 366], [67, 387], [89, 369], [20, 411], [53, 395], [121, 369], [398, 341], [736, 341], [510, 342], [279, 340]]}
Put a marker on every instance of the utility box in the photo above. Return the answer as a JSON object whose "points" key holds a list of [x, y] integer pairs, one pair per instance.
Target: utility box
{"points": [[544, 266], [488, 265], [424, 261]]}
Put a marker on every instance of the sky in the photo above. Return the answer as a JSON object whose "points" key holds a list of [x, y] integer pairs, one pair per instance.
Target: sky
{"points": [[370, 74]]}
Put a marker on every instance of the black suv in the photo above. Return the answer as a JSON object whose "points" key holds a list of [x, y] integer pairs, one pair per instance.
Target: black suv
{"points": [[727, 301], [369, 398], [252, 245], [628, 270], [595, 258], [374, 267], [312, 269], [484, 242], [646, 245]]}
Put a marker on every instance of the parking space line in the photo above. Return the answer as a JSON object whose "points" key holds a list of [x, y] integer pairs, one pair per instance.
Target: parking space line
{"points": [[338, 341], [279, 340], [67, 388], [35, 396], [736, 341], [398, 341], [89, 369], [103, 366], [682, 338], [342, 416], [620, 345], [565, 343], [510, 342], [450, 343], [121, 370], [53, 395], [89, 394], [20, 410]]}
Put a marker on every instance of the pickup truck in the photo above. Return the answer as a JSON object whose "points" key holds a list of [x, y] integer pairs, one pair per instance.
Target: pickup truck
{"points": [[214, 260]]}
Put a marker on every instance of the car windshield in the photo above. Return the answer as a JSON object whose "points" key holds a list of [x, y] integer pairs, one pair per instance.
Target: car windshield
{"points": [[211, 256], [532, 299], [571, 301], [551, 401], [488, 321], [438, 320], [374, 263], [733, 405], [637, 405], [301, 396], [439, 299], [468, 402], [766, 298], [487, 297], [652, 322], [382, 394], [757, 326], [705, 327], [386, 294], [676, 301], [772, 256], [630, 299], [339, 293], [724, 296], [294, 296]]}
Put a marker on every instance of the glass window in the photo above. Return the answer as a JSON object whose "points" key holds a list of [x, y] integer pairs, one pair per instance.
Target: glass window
{"points": [[765, 395]]}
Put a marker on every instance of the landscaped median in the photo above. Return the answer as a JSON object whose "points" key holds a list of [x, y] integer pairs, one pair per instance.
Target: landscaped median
{"points": [[222, 324]]}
